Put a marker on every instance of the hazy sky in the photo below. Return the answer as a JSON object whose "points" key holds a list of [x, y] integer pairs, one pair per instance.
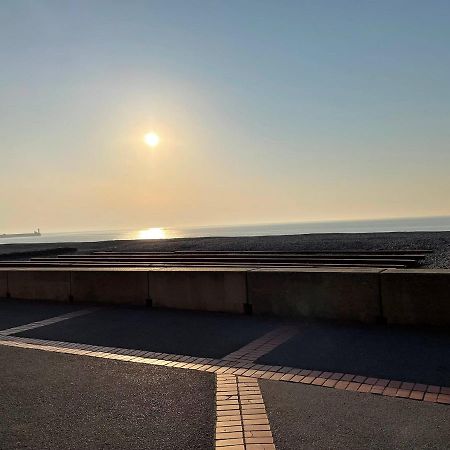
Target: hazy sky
{"points": [[268, 111]]}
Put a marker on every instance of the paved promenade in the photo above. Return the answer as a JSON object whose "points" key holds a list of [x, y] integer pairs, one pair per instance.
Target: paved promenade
{"points": [[134, 378]]}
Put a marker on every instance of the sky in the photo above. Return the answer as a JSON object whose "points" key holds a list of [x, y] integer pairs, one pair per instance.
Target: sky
{"points": [[267, 111]]}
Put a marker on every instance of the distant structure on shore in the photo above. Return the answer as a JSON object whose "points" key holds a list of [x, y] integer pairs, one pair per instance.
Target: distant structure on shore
{"points": [[19, 235]]}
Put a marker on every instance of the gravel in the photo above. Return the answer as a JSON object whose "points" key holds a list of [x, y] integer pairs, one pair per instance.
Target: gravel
{"points": [[439, 242]]}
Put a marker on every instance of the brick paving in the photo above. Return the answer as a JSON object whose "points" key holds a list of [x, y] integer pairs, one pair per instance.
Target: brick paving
{"points": [[242, 421], [384, 352], [421, 392], [45, 322], [263, 345], [313, 418], [159, 330]]}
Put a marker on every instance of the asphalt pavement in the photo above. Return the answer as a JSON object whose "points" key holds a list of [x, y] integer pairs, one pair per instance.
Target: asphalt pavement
{"points": [[212, 335], [14, 313], [316, 418], [398, 353], [54, 401]]}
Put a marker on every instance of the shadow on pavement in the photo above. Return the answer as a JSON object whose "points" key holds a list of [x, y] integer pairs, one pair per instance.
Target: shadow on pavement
{"points": [[210, 335], [396, 353], [20, 312]]}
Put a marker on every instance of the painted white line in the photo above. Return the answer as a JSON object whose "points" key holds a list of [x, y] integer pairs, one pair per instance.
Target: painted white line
{"points": [[43, 323]]}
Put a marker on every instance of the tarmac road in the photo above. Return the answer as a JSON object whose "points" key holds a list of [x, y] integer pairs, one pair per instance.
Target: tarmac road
{"points": [[315, 418], [54, 401]]}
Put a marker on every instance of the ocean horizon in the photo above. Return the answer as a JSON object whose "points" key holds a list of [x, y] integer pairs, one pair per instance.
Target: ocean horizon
{"points": [[355, 226]]}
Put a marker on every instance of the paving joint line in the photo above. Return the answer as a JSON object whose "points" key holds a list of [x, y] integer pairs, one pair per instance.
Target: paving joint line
{"points": [[348, 382], [45, 322]]}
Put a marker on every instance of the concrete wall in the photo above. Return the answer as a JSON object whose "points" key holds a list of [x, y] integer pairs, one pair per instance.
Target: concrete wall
{"points": [[39, 285], [128, 287], [3, 284], [416, 297], [202, 289], [344, 294], [410, 297]]}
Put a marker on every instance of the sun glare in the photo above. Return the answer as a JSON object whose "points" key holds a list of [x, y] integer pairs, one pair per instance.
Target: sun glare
{"points": [[152, 233], [151, 139]]}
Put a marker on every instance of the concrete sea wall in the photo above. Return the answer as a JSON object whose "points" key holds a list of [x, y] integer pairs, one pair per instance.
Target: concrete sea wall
{"points": [[413, 297], [409, 297], [351, 294]]}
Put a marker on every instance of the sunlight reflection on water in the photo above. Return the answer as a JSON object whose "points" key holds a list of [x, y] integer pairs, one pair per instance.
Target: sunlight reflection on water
{"points": [[152, 233], [369, 226]]}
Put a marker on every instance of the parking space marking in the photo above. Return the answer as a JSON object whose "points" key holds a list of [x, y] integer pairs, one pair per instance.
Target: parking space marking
{"points": [[241, 418], [348, 382], [45, 322]]}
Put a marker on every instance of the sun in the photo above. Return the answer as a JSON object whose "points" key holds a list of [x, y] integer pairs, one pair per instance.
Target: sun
{"points": [[151, 139]]}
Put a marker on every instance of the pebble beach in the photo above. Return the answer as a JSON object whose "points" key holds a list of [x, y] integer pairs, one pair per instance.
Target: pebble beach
{"points": [[439, 242]]}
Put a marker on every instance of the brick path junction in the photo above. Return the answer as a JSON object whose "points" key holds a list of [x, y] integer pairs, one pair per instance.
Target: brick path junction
{"points": [[77, 378]]}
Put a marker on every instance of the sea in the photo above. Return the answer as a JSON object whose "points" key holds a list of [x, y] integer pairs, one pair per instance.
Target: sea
{"points": [[153, 232]]}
